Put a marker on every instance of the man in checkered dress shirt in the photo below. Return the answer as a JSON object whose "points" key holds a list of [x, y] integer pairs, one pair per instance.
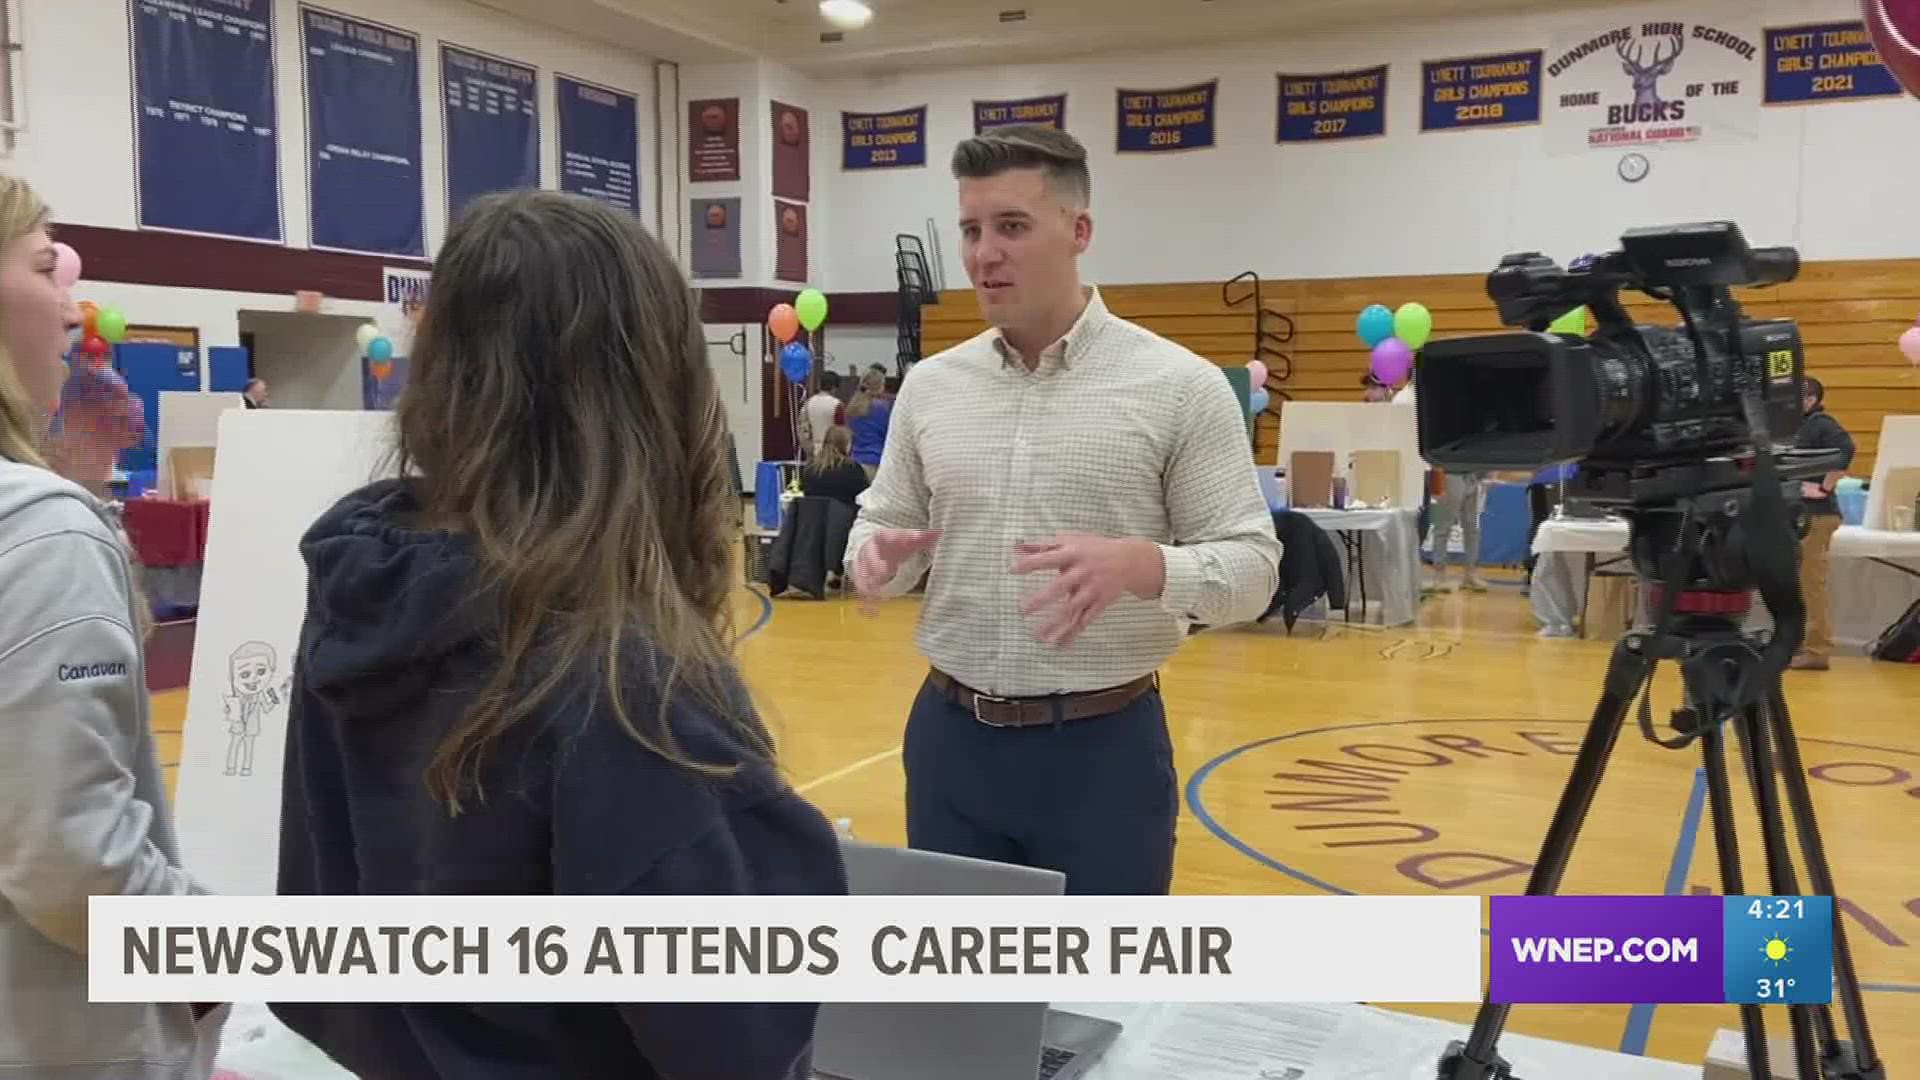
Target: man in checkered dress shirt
{"points": [[1081, 491]]}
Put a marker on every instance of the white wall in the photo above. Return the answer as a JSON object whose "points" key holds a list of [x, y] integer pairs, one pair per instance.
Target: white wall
{"points": [[1834, 179], [309, 361], [78, 149]]}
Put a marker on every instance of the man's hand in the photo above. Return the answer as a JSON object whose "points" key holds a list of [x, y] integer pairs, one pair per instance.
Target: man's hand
{"points": [[1093, 572], [882, 557], [1811, 490]]}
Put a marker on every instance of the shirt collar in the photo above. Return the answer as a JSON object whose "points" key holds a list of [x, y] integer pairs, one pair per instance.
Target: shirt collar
{"points": [[1072, 347]]}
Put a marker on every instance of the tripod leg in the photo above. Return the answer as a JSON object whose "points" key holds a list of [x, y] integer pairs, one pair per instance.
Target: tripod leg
{"points": [[1726, 849], [1780, 875], [1859, 1058], [1476, 1059]]}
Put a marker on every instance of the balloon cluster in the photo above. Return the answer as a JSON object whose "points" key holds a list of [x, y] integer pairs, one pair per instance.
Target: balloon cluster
{"points": [[377, 348], [101, 328], [1394, 336], [807, 312], [1257, 379]]}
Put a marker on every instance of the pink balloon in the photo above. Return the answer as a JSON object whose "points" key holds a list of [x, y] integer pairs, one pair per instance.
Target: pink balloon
{"points": [[1910, 345], [1894, 26], [66, 266], [1257, 372], [1392, 361]]}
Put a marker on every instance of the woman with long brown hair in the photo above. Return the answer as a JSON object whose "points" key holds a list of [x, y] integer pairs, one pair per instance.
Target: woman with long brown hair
{"points": [[515, 673], [83, 811]]}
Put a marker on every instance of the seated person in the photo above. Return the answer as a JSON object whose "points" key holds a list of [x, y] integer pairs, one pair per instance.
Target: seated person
{"points": [[833, 474]]}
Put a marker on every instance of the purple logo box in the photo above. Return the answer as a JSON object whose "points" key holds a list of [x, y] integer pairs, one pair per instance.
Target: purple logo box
{"points": [[1607, 950]]}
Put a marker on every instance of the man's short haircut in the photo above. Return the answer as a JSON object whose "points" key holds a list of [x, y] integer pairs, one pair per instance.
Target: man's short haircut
{"points": [[1028, 146], [1816, 388]]}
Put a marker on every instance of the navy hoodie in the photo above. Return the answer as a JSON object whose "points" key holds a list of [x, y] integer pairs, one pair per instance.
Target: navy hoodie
{"points": [[392, 648]]}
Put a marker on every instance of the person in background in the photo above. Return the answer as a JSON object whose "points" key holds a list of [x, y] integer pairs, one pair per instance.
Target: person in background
{"points": [[516, 675], [1819, 431], [820, 413], [868, 416], [833, 473], [255, 395], [83, 810], [1373, 390], [1543, 494], [1070, 548]]}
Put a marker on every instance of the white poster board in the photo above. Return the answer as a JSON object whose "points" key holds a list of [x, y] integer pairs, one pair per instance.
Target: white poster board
{"points": [[1346, 426], [188, 418], [1621, 79], [275, 472], [1899, 449]]}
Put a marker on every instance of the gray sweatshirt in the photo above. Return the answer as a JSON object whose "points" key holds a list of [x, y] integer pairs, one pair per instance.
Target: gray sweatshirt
{"points": [[82, 808]]}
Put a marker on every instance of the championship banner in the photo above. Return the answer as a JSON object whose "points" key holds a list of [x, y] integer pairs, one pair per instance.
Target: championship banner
{"points": [[1653, 83], [1815, 63], [364, 174], [888, 140], [492, 125], [1046, 111], [599, 142], [1151, 121], [1341, 105], [1481, 91]]}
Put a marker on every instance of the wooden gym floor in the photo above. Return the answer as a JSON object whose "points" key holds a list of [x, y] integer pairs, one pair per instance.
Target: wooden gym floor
{"points": [[1414, 760]]}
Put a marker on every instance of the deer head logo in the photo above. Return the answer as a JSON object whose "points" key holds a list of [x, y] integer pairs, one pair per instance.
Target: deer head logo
{"points": [[1645, 75]]}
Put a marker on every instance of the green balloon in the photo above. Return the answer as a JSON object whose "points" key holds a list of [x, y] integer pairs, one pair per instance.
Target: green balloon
{"points": [[112, 326], [1573, 322], [811, 306], [1413, 324]]}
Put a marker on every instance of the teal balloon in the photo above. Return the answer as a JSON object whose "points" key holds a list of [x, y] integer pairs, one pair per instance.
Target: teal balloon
{"points": [[1375, 324], [1413, 324], [380, 350]]}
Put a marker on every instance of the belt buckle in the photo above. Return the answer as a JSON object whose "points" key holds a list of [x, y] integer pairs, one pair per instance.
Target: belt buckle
{"points": [[977, 699]]}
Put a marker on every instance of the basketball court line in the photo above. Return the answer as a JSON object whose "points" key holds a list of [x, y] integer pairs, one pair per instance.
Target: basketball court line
{"points": [[847, 770]]}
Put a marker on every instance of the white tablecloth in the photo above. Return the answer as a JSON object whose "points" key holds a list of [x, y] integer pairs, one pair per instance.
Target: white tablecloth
{"points": [[1389, 554]]}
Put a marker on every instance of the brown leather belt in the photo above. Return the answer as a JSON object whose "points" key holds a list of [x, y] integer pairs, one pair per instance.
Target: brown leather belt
{"points": [[1041, 711]]}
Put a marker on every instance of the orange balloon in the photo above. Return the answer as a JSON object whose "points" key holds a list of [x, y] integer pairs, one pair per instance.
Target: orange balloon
{"points": [[381, 369], [784, 322], [90, 320]]}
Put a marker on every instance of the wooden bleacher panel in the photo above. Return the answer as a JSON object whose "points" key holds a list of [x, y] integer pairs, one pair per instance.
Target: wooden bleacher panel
{"points": [[1850, 313]]}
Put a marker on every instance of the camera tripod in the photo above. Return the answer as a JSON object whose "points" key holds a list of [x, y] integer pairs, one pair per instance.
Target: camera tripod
{"points": [[1731, 679]]}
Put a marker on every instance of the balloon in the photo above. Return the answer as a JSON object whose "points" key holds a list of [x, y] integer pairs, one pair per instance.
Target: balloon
{"points": [[113, 326], [1375, 324], [1894, 26], [365, 335], [1257, 400], [796, 361], [1256, 374], [66, 266], [1573, 322], [783, 322], [380, 350], [95, 346], [1392, 361], [1413, 324], [381, 369], [1910, 345], [811, 307], [89, 317]]}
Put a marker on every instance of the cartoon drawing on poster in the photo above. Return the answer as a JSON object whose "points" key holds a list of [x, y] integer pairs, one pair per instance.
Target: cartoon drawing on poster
{"points": [[253, 695], [1653, 82]]}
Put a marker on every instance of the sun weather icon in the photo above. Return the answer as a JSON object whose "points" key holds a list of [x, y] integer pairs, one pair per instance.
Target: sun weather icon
{"points": [[1777, 949]]}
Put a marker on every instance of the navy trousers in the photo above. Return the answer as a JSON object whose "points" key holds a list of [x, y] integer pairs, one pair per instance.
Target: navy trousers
{"points": [[1096, 798]]}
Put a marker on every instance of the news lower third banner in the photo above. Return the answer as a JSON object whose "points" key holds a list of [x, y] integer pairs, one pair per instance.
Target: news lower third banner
{"points": [[811, 949], [1156, 121], [1820, 62], [1763, 950], [1050, 111], [1340, 105], [886, 140], [1480, 91]]}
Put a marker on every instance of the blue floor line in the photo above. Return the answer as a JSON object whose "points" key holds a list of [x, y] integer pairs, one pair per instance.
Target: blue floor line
{"points": [[1633, 1040]]}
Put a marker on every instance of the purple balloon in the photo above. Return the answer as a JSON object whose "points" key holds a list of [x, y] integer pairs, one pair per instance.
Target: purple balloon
{"points": [[1392, 361]]}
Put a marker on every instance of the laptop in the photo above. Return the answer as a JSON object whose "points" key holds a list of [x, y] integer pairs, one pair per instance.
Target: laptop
{"points": [[970, 1041]]}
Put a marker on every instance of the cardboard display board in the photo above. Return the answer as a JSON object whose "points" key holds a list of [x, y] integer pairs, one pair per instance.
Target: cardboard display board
{"points": [[1345, 426], [277, 470], [188, 418]]}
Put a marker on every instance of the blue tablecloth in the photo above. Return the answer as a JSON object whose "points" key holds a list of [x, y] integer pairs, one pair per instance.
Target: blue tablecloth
{"points": [[769, 479]]}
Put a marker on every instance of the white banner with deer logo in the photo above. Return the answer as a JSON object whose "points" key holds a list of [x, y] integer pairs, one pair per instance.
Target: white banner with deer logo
{"points": [[1653, 77]]}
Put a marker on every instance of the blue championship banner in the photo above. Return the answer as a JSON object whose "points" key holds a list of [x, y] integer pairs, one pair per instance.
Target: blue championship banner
{"points": [[1818, 62], [1340, 105], [492, 125], [1182, 118], [888, 140], [599, 142], [1481, 91], [363, 135], [207, 145], [1046, 111]]}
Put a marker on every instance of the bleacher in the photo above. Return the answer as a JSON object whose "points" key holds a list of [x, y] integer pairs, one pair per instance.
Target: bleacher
{"points": [[1851, 313]]}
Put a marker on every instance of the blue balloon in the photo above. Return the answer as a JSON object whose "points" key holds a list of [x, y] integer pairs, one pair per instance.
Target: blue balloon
{"points": [[380, 350], [1257, 400], [1375, 324], [796, 361]]}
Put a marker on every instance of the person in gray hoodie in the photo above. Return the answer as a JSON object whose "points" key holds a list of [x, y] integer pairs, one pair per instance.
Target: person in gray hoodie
{"points": [[83, 811]]}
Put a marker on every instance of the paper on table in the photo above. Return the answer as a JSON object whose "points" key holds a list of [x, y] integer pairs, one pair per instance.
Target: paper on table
{"points": [[1225, 1042]]}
